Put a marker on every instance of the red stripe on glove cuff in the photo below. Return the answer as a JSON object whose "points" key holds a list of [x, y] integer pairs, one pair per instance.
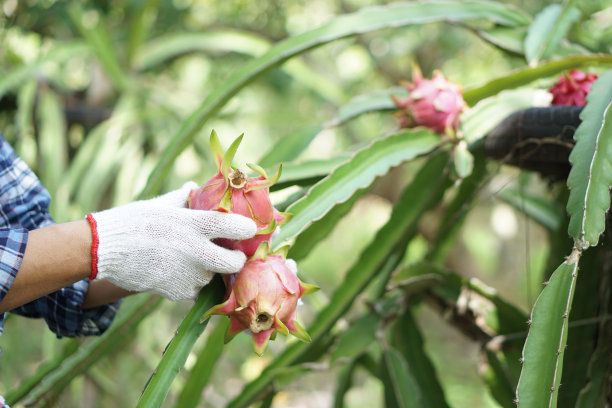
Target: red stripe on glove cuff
{"points": [[95, 242]]}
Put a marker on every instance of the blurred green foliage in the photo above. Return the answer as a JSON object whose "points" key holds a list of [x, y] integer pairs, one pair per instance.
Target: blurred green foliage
{"points": [[91, 92]]}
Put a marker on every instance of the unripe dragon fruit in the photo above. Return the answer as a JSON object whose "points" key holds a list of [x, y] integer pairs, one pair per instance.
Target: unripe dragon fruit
{"points": [[263, 298], [232, 191], [434, 103], [572, 88]]}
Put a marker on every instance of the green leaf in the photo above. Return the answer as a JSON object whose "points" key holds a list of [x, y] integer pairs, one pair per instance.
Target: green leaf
{"points": [[58, 54], [103, 167], [507, 39], [379, 285], [478, 121], [596, 391], [203, 369], [178, 349], [539, 209], [586, 336], [363, 21], [142, 18], [590, 178], [15, 396], [421, 195], [25, 145], [401, 387], [492, 314], [97, 38], [547, 30], [345, 381], [53, 151], [52, 142], [545, 345], [319, 230], [377, 101], [525, 76], [463, 160], [357, 338], [406, 338], [284, 376], [497, 372], [266, 401], [308, 172], [458, 209], [173, 45], [132, 312], [290, 146], [94, 156], [355, 174]]}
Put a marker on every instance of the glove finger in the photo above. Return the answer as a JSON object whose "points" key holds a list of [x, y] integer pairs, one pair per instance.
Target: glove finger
{"points": [[221, 260], [176, 198], [223, 225]]}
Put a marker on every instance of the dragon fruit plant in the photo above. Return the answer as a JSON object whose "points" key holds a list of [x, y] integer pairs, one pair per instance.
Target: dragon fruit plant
{"points": [[230, 190], [433, 103], [572, 88], [263, 298]]}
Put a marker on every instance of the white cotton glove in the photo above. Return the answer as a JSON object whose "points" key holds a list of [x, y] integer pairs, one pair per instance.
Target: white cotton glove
{"points": [[160, 246]]}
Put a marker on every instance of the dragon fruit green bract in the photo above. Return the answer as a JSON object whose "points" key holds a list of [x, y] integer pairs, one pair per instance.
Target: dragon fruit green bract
{"points": [[232, 191], [434, 103], [572, 88], [263, 298]]}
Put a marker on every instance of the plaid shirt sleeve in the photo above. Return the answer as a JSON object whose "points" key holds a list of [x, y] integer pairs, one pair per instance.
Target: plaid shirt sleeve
{"points": [[24, 206]]}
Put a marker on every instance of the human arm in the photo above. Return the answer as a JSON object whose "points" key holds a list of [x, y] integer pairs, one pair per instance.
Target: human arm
{"points": [[81, 308], [57, 256], [24, 207], [150, 246]]}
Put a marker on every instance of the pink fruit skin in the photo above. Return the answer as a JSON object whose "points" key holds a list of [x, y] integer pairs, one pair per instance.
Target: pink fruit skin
{"points": [[254, 204], [265, 286], [434, 104], [263, 298], [572, 88]]}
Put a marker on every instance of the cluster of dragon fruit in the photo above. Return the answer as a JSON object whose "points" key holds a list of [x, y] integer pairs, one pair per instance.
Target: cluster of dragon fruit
{"points": [[437, 103], [262, 298]]}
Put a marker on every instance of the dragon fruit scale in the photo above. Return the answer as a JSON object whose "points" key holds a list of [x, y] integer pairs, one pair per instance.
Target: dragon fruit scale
{"points": [[433, 103], [230, 190], [263, 298], [572, 88]]}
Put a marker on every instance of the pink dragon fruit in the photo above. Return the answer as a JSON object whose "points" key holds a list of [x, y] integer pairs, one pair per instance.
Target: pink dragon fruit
{"points": [[435, 103], [572, 88], [263, 298], [232, 191]]}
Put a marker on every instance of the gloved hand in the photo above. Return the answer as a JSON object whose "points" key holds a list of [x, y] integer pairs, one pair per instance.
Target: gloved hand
{"points": [[160, 246]]}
